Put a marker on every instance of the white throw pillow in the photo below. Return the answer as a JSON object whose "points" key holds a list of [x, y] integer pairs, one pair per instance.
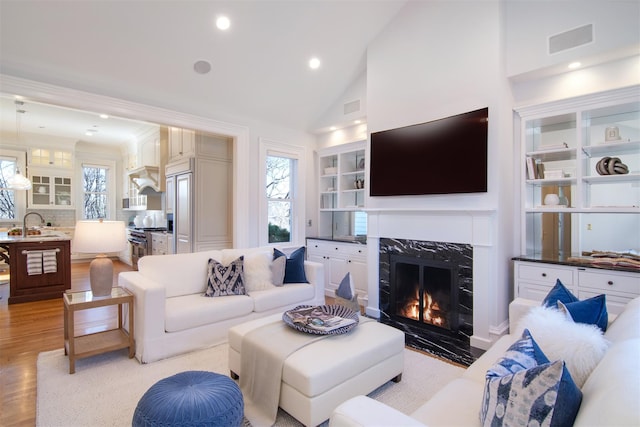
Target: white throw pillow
{"points": [[580, 345], [257, 267]]}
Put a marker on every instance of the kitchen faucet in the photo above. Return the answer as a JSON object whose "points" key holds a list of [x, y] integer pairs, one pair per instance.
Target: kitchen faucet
{"points": [[24, 222]]}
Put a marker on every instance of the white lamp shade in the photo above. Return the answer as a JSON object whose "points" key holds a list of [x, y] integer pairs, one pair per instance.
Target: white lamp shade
{"points": [[99, 237]]}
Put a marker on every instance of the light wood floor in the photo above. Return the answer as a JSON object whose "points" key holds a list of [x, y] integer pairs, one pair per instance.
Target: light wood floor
{"points": [[27, 329]]}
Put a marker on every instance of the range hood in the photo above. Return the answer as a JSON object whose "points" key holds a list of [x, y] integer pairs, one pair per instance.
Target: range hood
{"points": [[146, 179]]}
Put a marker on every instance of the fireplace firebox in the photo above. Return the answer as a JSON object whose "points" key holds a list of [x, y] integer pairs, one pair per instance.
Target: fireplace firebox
{"points": [[424, 292]]}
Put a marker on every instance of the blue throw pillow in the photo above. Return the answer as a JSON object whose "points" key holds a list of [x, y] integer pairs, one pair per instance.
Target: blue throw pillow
{"points": [[294, 268], [558, 293], [345, 290], [524, 388], [592, 311]]}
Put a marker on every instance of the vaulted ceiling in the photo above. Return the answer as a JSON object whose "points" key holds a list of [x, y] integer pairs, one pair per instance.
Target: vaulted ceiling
{"points": [[145, 51]]}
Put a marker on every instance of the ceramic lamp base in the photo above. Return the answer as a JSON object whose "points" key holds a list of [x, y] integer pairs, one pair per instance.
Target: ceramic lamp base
{"points": [[101, 276]]}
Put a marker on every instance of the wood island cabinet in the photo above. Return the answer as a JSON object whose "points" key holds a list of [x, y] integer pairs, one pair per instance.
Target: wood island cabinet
{"points": [[26, 287]]}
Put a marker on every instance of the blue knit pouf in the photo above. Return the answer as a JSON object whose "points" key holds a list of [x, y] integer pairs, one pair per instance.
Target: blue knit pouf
{"points": [[191, 398]]}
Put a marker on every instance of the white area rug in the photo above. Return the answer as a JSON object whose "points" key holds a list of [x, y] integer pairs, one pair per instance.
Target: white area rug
{"points": [[105, 389]]}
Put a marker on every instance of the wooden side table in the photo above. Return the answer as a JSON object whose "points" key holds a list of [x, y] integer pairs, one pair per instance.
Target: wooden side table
{"points": [[101, 342]]}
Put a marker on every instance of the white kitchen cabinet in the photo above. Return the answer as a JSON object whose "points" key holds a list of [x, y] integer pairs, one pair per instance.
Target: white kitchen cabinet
{"points": [[183, 216], [51, 191], [534, 280], [170, 194], [202, 200], [181, 144], [51, 158], [159, 243], [338, 259]]}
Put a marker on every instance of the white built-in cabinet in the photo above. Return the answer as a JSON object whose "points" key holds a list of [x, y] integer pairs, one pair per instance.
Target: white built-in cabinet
{"points": [[562, 144], [51, 173], [338, 259], [534, 280], [342, 177], [200, 195], [181, 144], [572, 205]]}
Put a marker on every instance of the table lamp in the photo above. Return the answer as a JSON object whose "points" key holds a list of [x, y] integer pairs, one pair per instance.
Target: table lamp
{"points": [[100, 237]]}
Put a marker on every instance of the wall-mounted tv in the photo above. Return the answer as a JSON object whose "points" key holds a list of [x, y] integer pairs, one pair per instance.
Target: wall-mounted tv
{"points": [[446, 156]]}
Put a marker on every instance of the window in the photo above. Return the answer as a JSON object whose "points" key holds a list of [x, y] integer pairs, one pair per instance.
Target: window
{"points": [[7, 197], [282, 205], [279, 198], [95, 192]]}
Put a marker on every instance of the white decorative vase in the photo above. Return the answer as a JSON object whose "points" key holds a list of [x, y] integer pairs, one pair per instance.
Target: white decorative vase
{"points": [[551, 199], [147, 221]]}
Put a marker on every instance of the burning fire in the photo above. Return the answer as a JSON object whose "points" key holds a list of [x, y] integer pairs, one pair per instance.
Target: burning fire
{"points": [[430, 312]]}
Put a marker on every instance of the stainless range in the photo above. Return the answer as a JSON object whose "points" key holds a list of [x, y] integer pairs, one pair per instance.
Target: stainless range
{"points": [[140, 241]]}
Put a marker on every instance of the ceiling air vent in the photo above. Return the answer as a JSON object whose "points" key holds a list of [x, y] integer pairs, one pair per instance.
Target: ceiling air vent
{"points": [[352, 107], [570, 39]]}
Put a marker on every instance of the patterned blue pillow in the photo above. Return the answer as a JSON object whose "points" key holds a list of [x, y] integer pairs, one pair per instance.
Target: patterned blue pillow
{"points": [[524, 388], [294, 268], [223, 281]]}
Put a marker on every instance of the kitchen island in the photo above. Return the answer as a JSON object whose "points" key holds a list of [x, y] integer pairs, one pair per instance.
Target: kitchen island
{"points": [[40, 266]]}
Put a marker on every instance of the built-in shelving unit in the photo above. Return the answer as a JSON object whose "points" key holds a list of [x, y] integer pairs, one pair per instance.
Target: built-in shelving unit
{"points": [[561, 144]]}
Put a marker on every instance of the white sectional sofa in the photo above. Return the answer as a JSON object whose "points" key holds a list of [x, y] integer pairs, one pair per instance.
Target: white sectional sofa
{"points": [[171, 315], [610, 395]]}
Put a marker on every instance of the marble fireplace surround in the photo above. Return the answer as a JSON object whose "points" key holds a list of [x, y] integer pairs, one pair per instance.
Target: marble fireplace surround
{"points": [[451, 345], [472, 227]]}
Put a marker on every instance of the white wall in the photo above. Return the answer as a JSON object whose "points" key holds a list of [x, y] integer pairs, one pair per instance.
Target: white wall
{"points": [[529, 24], [438, 59]]}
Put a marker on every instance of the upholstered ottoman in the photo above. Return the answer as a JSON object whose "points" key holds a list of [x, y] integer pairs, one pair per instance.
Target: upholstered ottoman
{"points": [[325, 373], [192, 398]]}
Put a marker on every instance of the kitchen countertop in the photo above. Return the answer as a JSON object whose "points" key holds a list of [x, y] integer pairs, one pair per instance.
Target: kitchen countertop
{"points": [[44, 237]]}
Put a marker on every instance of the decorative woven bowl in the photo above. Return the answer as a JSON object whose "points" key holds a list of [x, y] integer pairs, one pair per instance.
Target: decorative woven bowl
{"points": [[333, 310]]}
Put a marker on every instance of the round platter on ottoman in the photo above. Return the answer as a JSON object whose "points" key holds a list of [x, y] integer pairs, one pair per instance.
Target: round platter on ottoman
{"points": [[191, 398]]}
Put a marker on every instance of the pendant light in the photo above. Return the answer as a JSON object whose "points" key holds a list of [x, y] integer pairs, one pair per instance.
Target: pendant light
{"points": [[18, 181]]}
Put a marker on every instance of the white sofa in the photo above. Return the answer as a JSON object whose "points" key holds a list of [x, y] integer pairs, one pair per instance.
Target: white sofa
{"points": [[171, 315], [610, 394]]}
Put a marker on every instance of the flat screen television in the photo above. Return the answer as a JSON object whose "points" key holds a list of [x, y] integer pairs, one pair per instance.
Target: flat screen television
{"points": [[446, 156]]}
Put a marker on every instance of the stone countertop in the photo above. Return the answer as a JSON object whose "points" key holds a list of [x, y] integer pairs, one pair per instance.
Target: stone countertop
{"points": [[574, 261], [347, 239], [47, 236]]}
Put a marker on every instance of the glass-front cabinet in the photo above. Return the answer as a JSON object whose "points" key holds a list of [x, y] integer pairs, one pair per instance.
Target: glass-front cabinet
{"points": [[51, 191], [580, 175]]}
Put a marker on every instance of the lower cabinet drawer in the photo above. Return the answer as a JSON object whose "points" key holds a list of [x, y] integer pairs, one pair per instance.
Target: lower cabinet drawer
{"points": [[543, 273], [609, 281]]}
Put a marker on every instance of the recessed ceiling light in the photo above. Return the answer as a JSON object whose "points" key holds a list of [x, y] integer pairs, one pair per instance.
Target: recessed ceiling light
{"points": [[314, 63], [88, 133], [357, 122], [202, 67], [223, 23], [333, 128], [574, 65], [104, 116]]}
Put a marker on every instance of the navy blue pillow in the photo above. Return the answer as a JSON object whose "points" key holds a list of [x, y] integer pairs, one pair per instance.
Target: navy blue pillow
{"points": [[294, 268], [592, 311], [558, 293]]}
